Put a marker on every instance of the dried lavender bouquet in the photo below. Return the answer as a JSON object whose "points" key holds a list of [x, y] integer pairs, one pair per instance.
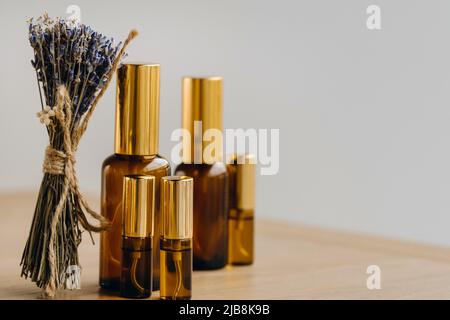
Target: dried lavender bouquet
{"points": [[74, 65]]}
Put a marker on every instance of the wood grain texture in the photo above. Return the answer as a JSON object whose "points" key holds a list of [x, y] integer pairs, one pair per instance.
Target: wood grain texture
{"points": [[292, 262]]}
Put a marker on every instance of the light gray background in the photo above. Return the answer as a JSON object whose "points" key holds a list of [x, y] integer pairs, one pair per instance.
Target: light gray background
{"points": [[363, 115]]}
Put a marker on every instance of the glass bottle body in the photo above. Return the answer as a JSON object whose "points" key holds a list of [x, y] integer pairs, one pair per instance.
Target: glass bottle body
{"points": [[241, 237], [136, 273], [114, 169], [210, 214], [176, 269]]}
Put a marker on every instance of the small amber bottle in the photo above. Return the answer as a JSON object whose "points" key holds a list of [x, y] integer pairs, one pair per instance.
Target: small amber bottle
{"points": [[241, 215], [137, 233], [135, 152], [202, 115], [176, 238]]}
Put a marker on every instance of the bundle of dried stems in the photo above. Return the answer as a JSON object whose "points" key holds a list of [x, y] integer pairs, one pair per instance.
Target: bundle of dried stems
{"points": [[74, 66]]}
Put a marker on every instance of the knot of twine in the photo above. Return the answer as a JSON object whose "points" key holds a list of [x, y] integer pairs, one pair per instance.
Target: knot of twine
{"points": [[55, 161]]}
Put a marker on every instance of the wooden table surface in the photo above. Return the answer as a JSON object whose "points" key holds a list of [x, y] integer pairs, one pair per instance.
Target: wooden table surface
{"points": [[292, 262]]}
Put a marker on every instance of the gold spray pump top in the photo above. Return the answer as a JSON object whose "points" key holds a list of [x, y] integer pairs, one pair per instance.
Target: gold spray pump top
{"points": [[137, 109], [138, 206], [202, 102], [245, 181], [176, 207]]}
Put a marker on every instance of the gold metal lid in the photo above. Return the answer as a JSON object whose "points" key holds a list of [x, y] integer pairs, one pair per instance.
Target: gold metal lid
{"points": [[176, 207], [245, 181], [137, 109], [138, 204], [202, 101]]}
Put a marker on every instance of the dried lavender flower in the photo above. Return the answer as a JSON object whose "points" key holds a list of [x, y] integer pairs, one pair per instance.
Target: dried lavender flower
{"points": [[71, 54], [73, 64]]}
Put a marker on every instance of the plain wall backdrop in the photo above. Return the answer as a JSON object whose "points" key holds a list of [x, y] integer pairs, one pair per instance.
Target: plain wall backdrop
{"points": [[363, 115]]}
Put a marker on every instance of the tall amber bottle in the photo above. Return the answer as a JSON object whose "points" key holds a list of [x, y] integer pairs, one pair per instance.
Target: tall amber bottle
{"points": [[136, 152], [202, 160]]}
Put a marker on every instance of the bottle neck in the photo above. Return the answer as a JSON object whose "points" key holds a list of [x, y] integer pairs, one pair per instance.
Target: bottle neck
{"points": [[136, 156], [136, 146]]}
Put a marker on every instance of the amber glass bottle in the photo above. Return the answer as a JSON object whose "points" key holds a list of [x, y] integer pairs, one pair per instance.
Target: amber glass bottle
{"points": [[202, 160], [137, 232], [176, 238], [241, 216], [136, 152]]}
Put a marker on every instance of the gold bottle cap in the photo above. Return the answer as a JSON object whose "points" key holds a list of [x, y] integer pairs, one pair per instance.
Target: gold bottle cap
{"points": [[202, 101], [137, 109], [245, 181], [138, 206], [176, 207]]}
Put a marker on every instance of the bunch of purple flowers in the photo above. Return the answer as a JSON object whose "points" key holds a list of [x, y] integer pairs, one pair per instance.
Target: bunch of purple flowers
{"points": [[74, 65], [70, 54]]}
